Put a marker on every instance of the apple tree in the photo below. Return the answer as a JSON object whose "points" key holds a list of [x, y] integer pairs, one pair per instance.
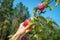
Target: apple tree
{"points": [[43, 28]]}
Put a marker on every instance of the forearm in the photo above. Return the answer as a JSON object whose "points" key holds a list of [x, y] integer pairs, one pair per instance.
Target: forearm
{"points": [[16, 37]]}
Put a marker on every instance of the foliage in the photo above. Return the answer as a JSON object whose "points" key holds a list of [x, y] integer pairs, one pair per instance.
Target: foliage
{"points": [[10, 17], [44, 28]]}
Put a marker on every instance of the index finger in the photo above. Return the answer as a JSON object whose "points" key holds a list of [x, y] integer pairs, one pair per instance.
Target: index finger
{"points": [[27, 26]]}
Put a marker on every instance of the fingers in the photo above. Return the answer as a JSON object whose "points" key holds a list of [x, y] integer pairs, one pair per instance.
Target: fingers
{"points": [[21, 25], [27, 27], [27, 31]]}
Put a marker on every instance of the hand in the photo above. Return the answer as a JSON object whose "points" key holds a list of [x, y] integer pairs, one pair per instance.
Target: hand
{"points": [[21, 32]]}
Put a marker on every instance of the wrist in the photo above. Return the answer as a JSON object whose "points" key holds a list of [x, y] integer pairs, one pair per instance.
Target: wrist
{"points": [[15, 36]]}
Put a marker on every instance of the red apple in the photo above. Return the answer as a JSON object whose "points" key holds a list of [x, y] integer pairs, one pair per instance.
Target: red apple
{"points": [[26, 22], [40, 6]]}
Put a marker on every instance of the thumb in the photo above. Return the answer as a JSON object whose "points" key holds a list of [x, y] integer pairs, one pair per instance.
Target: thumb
{"points": [[27, 31]]}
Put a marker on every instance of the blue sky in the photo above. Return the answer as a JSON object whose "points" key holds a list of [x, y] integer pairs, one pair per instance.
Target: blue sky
{"points": [[54, 14]]}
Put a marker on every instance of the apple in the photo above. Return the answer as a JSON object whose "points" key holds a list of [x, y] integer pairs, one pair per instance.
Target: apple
{"points": [[40, 6], [26, 22]]}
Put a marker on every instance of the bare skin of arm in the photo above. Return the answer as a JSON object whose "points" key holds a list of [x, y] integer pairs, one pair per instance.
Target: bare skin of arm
{"points": [[20, 32]]}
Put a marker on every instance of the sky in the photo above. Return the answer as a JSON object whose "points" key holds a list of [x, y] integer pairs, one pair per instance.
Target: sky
{"points": [[54, 14]]}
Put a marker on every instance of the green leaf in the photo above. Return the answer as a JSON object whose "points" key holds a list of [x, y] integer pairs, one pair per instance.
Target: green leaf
{"points": [[10, 36], [30, 23], [34, 10], [46, 4], [34, 18], [55, 24], [42, 18], [50, 26], [57, 2], [48, 20], [45, 0], [51, 7]]}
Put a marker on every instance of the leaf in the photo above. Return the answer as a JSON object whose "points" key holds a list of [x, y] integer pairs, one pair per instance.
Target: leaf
{"points": [[34, 10], [30, 23], [34, 18], [48, 20], [10, 36], [42, 18], [45, 0], [55, 24], [57, 2], [51, 7], [46, 4], [50, 26]]}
